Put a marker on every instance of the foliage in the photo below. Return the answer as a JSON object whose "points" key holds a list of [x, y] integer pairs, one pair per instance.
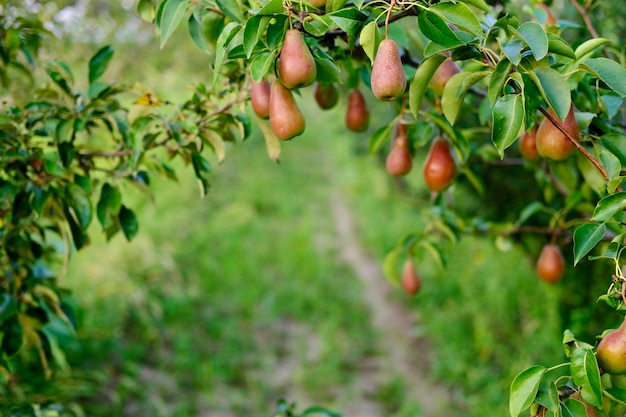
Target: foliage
{"points": [[63, 146]]}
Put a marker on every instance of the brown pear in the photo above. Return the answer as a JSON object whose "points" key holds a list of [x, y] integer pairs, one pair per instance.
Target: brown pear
{"points": [[357, 114], [410, 280], [551, 142], [440, 167], [286, 119], [296, 66], [550, 265], [528, 145], [326, 95], [388, 78], [611, 353], [440, 78], [399, 161], [318, 3], [260, 98]]}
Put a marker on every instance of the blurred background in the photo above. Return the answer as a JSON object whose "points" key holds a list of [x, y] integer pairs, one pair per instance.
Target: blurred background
{"points": [[271, 287]]}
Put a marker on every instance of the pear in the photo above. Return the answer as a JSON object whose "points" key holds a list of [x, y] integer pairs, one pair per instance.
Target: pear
{"points": [[357, 114], [399, 161], [611, 352], [286, 119], [551, 142], [550, 265], [388, 78], [528, 145], [260, 98], [589, 409], [410, 280], [440, 167], [326, 95], [296, 66], [318, 3], [444, 72]]}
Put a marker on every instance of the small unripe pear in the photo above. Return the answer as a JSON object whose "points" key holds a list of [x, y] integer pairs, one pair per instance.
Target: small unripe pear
{"points": [[550, 265], [399, 161], [286, 119], [260, 98], [611, 353], [326, 95], [388, 78], [551, 142], [528, 145], [444, 72], [357, 114], [440, 167], [296, 66], [318, 3], [410, 280]]}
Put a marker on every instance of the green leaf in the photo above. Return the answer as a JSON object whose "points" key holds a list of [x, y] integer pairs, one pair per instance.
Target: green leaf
{"points": [[272, 7], [128, 223], [549, 397], [498, 79], [99, 63], [586, 237], [609, 71], [320, 411], [334, 5], [317, 25], [455, 90], [202, 169], [609, 206], [611, 163], [349, 20], [227, 35], [437, 30], [421, 81], [460, 16], [513, 50], [272, 143], [390, 266], [370, 37], [109, 205], [196, 31], [616, 144], [171, 13], [231, 9], [434, 252], [480, 4], [588, 46], [78, 202], [508, 121], [251, 34], [559, 46], [378, 139], [554, 89], [262, 64], [573, 408], [533, 34], [524, 389], [8, 306], [585, 373]]}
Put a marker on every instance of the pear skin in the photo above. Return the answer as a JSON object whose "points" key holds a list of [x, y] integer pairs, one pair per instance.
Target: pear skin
{"points": [[399, 161], [440, 167], [388, 78], [611, 352], [550, 265], [357, 114], [286, 119], [551, 142], [440, 78], [296, 66], [320, 4], [528, 145], [326, 95], [260, 98], [410, 280]]}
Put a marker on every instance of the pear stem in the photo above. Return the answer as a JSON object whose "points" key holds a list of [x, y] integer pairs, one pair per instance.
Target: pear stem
{"points": [[391, 6]]}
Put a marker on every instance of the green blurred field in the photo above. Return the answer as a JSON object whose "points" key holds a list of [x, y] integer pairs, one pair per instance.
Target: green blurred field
{"points": [[224, 305]]}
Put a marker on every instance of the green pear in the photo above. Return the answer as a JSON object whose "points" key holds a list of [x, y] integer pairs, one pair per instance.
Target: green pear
{"points": [[388, 78], [296, 66], [611, 352], [286, 119]]}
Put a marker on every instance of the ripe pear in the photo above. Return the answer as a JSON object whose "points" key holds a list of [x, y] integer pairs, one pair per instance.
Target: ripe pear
{"points": [[440, 78], [550, 265], [260, 98], [318, 3], [388, 78], [357, 114], [399, 161], [410, 280], [528, 145], [611, 352], [440, 167], [551, 142], [296, 66], [286, 119], [326, 95]]}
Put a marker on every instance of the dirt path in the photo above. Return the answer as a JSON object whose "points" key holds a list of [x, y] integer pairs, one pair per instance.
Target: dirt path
{"points": [[406, 355]]}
